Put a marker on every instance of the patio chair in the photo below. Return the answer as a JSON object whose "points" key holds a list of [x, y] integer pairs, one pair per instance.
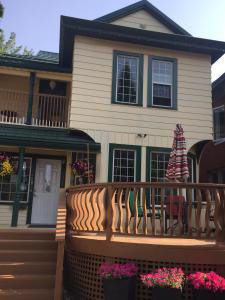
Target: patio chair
{"points": [[140, 210], [172, 204]]}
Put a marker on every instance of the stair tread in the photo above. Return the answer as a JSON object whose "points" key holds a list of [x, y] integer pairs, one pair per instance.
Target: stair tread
{"points": [[29, 276], [25, 291], [32, 263]]}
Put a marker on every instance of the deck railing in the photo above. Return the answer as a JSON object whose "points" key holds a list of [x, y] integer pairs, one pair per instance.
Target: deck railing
{"points": [[184, 210], [47, 110]]}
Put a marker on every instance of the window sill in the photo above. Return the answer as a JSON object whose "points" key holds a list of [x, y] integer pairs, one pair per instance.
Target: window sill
{"points": [[162, 107], [128, 104]]}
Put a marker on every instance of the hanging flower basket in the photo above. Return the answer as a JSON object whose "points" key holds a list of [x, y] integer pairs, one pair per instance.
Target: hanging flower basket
{"points": [[119, 280], [82, 169], [6, 167], [166, 283], [207, 286]]}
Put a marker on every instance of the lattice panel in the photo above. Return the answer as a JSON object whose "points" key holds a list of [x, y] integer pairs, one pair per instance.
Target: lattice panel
{"points": [[82, 280]]}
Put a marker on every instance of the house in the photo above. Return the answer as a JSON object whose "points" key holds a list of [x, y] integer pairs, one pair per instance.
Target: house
{"points": [[212, 164], [110, 99]]}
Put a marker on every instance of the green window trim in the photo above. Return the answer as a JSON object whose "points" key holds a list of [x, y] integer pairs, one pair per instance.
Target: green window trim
{"points": [[125, 147], [116, 53], [174, 87], [149, 151]]}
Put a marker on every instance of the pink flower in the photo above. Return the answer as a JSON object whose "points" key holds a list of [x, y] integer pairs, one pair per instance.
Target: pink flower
{"points": [[164, 277], [110, 270], [210, 281]]}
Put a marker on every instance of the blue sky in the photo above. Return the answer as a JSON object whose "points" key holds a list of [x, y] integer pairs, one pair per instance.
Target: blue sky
{"points": [[36, 23]]}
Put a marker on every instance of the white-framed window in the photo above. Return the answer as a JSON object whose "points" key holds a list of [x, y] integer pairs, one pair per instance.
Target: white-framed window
{"points": [[127, 79], [124, 165], [219, 122], [162, 83]]}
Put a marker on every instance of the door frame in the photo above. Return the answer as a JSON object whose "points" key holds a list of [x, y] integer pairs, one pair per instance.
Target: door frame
{"points": [[32, 181]]}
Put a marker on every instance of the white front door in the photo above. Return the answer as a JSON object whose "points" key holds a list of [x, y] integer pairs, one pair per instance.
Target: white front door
{"points": [[46, 191]]}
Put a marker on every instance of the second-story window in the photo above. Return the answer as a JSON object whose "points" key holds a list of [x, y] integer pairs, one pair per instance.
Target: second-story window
{"points": [[219, 122], [162, 82], [127, 78]]}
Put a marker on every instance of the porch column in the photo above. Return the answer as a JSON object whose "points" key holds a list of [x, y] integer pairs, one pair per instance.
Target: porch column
{"points": [[16, 204], [30, 98]]}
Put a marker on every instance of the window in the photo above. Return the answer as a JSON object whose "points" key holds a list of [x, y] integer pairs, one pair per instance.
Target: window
{"points": [[219, 122], [217, 176], [8, 182], [127, 78], [124, 163], [157, 165], [162, 82]]}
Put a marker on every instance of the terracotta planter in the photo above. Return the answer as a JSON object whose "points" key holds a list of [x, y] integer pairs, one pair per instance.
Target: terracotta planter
{"points": [[119, 289], [166, 293], [202, 294]]}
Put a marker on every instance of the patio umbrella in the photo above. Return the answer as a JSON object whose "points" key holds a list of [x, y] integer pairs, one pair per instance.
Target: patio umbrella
{"points": [[177, 169]]}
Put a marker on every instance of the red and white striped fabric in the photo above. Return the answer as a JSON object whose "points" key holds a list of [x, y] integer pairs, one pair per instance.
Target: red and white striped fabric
{"points": [[178, 165]]}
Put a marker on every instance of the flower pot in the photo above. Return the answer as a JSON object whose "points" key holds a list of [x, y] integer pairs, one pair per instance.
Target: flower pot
{"points": [[202, 294], [119, 289], [162, 293]]}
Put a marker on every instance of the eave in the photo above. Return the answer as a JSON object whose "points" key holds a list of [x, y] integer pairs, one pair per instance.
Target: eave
{"points": [[70, 27]]}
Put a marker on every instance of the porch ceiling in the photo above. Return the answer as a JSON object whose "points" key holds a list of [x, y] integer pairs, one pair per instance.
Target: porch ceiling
{"points": [[41, 137]]}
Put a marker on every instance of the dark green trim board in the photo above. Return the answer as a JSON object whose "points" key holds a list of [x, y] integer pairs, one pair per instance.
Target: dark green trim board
{"points": [[116, 53], [30, 98], [174, 87], [31, 192], [149, 8], [41, 137], [15, 212], [126, 147]]}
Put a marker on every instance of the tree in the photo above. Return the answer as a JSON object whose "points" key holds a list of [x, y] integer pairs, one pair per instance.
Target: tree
{"points": [[9, 46], [1, 10]]}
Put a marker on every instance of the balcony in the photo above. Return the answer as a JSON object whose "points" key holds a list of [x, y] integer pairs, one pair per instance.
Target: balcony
{"points": [[46, 110]]}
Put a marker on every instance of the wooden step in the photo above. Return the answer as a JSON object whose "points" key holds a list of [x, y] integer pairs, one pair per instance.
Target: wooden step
{"points": [[27, 267], [28, 255], [28, 294], [27, 234], [24, 281], [28, 245]]}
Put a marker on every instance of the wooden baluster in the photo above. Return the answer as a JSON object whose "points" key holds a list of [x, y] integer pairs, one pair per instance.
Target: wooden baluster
{"points": [[180, 213], [128, 214], [135, 225], [162, 211], [82, 203], [145, 219], [189, 212], [217, 217], [120, 210], [101, 209], [207, 212], [198, 214], [76, 211], [153, 211], [110, 229], [93, 201], [171, 206]]}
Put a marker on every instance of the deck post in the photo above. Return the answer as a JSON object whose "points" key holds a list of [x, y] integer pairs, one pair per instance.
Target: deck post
{"points": [[16, 204], [109, 213], [31, 97]]}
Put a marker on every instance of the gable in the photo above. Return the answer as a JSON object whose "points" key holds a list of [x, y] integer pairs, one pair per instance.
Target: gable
{"points": [[151, 17], [142, 20]]}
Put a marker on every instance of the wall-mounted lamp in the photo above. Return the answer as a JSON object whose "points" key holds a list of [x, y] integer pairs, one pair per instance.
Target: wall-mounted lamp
{"points": [[141, 135]]}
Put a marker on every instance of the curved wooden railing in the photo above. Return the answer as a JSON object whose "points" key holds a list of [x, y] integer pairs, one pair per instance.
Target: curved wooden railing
{"points": [[148, 209]]}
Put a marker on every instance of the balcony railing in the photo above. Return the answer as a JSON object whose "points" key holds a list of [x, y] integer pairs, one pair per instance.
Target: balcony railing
{"points": [[47, 110], [148, 209]]}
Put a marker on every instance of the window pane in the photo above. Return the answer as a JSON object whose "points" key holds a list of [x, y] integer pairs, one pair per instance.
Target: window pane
{"points": [[219, 122], [124, 171], [162, 95], [127, 79]]}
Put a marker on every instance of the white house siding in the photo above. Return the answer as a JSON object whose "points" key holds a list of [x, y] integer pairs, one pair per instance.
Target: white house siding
{"points": [[142, 20], [92, 111], [6, 216]]}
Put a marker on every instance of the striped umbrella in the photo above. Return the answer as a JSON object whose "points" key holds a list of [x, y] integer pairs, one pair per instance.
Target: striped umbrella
{"points": [[178, 165]]}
